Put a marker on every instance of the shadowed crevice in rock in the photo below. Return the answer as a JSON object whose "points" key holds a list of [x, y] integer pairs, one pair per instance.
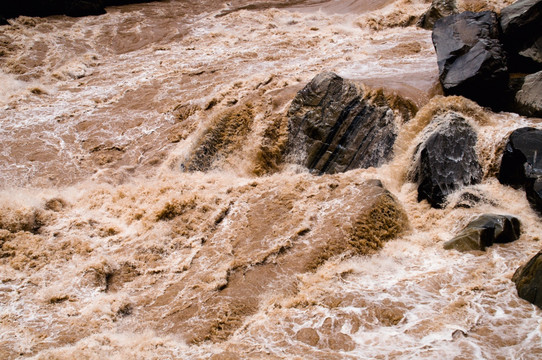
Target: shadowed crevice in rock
{"points": [[334, 126]]}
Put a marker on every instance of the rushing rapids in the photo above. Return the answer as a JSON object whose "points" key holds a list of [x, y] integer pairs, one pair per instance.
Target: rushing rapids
{"points": [[151, 208]]}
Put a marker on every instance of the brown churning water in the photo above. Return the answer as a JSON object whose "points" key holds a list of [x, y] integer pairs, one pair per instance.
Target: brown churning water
{"points": [[146, 211]]}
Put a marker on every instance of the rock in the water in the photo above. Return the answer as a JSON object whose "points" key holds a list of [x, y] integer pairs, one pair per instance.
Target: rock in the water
{"points": [[470, 57], [533, 190], [437, 10], [485, 231], [521, 165], [333, 128], [521, 160], [529, 98], [447, 160], [522, 33], [528, 279]]}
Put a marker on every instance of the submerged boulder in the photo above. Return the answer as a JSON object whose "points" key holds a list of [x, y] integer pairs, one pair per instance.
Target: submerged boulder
{"points": [[529, 98], [522, 34], [437, 10], [470, 57], [334, 128], [446, 160], [485, 231], [528, 279]]}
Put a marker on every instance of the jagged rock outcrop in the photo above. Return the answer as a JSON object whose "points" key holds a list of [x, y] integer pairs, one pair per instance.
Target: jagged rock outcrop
{"points": [[528, 100], [10, 9], [446, 160], [437, 10], [470, 57], [333, 127], [528, 279], [520, 160], [521, 164], [522, 34], [484, 231]]}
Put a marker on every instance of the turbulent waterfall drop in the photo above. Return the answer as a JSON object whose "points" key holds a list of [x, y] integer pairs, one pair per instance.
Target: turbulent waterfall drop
{"points": [[147, 210]]}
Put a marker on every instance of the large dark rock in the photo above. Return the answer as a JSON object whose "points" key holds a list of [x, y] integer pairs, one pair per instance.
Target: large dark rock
{"points": [[334, 128], [485, 231], [528, 100], [447, 160], [522, 34], [437, 10], [521, 164], [521, 160], [470, 57], [528, 279]]}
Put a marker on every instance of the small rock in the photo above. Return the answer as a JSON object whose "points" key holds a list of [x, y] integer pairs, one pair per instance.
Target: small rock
{"points": [[529, 98], [447, 160], [437, 10], [308, 336], [528, 279], [341, 342], [333, 128], [470, 57], [484, 231]]}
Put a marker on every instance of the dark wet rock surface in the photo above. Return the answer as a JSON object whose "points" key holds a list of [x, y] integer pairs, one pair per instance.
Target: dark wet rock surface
{"points": [[470, 57], [333, 127], [522, 34], [485, 231], [446, 160]]}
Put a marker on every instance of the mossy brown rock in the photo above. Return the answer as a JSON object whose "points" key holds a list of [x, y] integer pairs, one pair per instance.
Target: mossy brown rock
{"points": [[528, 279], [437, 10]]}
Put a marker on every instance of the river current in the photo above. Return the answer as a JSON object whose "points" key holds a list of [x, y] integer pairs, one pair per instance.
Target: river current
{"points": [[112, 249]]}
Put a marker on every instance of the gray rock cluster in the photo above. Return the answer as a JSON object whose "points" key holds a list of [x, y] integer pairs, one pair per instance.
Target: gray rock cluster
{"points": [[494, 61]]}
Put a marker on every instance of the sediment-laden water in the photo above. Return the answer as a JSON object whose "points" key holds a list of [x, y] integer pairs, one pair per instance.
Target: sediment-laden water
{"points": [[147, 212]]}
